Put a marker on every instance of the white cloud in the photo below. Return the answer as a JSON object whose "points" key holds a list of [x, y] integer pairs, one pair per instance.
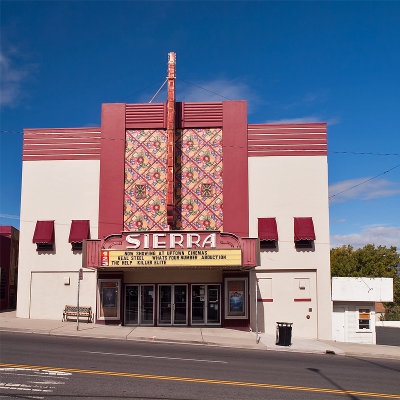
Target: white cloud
{"points": [[216, 90], [355, 189], [338, 221], [11, 80], [377, 235], [9, 216], [301, 120]]}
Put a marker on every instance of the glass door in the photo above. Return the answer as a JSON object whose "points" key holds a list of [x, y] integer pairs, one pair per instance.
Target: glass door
{"points": [[165, 304], [146, 305], [180, 305], [213, 304], [172, 304], [132, 305], [198, 301], [206, 304]]}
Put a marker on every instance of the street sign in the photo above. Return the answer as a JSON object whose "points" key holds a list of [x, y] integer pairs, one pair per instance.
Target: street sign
{"points": [[80, 274]]}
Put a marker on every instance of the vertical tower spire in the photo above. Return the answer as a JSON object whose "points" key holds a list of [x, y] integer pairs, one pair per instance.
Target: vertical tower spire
{"points": [[171, 141]]}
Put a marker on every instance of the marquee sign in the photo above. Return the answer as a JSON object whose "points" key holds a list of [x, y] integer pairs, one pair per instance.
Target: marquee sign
{"points": [[172, 258], [171, 249]]}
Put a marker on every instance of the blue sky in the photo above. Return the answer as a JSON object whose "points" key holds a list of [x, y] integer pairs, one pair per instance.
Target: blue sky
{"points": [[336, 62]]}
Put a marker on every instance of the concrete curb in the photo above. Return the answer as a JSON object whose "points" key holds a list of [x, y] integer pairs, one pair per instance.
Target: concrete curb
{"points": [[136, 339], [261, 346]]}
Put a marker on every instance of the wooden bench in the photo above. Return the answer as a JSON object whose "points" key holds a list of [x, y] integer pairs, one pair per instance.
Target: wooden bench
{"points": [[72, 311]]}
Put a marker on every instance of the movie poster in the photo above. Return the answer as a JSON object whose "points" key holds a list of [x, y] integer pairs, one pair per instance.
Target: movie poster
{"points": [[236, 298], [109, 297], [236, 301]]}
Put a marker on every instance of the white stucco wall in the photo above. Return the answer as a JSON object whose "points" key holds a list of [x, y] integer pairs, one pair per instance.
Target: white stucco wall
{"points": [[362, 289], [282, 287], [285, 187], [50, 293], [59, 190]]}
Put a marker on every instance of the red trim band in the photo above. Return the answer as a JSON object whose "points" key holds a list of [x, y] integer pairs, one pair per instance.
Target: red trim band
{"points": [[265, 300], [302, 299], [297, 125], [287, 153]]}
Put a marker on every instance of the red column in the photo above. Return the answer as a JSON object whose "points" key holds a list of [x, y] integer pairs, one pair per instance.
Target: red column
{"points": [[112, 170], [235, 164]]}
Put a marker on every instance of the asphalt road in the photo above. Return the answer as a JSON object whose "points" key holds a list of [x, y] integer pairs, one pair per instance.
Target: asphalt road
{"points": [[388, 336], [49, 367]]}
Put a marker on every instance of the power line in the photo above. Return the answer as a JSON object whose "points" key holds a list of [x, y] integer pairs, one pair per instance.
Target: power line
{"points": [[365, 153], [363, 182], [158, 91], [207, 90]]}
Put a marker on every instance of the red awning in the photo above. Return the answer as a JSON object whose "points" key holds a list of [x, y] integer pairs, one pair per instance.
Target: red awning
{"points": [[80, 230], [44, 232], [267, 229], [304, 229]]}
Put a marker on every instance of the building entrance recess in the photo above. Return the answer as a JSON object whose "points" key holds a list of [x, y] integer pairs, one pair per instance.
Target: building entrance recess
{"points": [[169, 305]]}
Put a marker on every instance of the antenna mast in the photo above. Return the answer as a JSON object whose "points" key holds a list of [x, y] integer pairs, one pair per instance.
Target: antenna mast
{"points": [[171, 141]]}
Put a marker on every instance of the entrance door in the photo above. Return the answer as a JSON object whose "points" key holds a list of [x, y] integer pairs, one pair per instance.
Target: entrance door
{"points": [[180, 305], [198, 304], [139, 305], [132, 305], [206, 304], [339, 324], [146, 305], [172, 303], [213, 304]]}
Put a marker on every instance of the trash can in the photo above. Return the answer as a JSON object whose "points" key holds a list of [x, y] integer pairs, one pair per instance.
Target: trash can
{"points": [[284, 333]]}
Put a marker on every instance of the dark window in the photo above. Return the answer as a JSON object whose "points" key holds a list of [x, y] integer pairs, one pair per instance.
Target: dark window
{"points": [[76, 245], [363, 318], [268, 244], [303, 244], [44, 246]]}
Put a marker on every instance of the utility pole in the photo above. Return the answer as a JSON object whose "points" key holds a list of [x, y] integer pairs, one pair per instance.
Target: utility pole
{"points": [[80, 277], [256, 296]]}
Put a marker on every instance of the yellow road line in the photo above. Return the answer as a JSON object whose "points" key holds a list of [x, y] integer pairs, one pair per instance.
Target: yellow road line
{"points": [[176, 378]]}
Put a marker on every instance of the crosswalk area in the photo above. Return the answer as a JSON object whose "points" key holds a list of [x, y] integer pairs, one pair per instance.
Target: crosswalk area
{"points": [[32, 383]]}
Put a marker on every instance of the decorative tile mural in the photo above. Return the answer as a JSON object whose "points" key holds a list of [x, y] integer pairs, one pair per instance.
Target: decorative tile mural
{"points": [[198, 179], [199, 192], [145, 180]]}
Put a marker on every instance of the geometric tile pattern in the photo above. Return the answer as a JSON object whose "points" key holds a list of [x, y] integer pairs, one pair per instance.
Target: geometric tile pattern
{"points": [[198, 166], [145, 164]]}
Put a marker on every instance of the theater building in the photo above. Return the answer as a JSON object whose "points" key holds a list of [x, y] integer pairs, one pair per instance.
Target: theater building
{"points": [[181, 214]]}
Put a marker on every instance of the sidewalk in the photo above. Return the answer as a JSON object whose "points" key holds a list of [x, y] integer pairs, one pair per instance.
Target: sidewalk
{"points": [[189, 335]]}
